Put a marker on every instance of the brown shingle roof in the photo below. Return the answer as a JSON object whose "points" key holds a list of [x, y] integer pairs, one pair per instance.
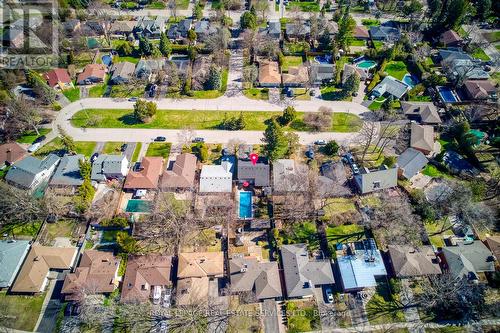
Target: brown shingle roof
{"points": [[182, 174], [39, 261], [92, 70], [360, 32], [409, 261], [11, 153], [427, 111], [200, 264], [296, 74], [142, 274], [450, 37], [57, 75], [479, 89], [192, 291], [422, 137], [147, 177], [96, 272], [269, 73], [493, 243]]}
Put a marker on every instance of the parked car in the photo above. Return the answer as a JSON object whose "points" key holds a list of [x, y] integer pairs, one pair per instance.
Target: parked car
{"points": [[329, 295], [94, 157], [310, 153], [40, 139], [312, 93], [198, 139], [132, 99], [320, 142], [160, 139], [163, 327], [34, 147], [355, 169], [123, 147]]}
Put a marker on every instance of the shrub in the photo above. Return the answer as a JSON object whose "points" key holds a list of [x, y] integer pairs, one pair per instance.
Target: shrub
{"points": [[117, 221], [331, 148], [144, 110], [289, 115]]}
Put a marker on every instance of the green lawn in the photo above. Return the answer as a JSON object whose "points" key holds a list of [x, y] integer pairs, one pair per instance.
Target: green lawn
{"points": [[159, 149], [257, 93], [338, 205], [332, 93], [20, 312], [437, 230], [479, 54], [370, 22], [496, 77], [378, 45], [137, 150], [432, 171], [124, 91], [85, 148], [30, 136], [296, 47], [304, 232], [301, 94], [72, 94], [112, 148], [290, 61], [492, 37], [344, 233], [178, 119], [305, 6], [109, 236], [384, 307], [207, 94], [156, 5], [396, 69], [302, 316], [129, 59], [98, 90], [356, 42], [27, 230], [182, 4]]}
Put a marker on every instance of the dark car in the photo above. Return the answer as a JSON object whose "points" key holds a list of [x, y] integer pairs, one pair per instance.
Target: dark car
{"points": [[160, 139], [94, 157], [123, 147], [67, 310], [40, 139], [198, 139], [76, 309]]}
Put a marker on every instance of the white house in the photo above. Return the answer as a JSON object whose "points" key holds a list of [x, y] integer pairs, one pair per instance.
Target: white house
{"points": [[109, 167], [216, 178], [30, 172]]}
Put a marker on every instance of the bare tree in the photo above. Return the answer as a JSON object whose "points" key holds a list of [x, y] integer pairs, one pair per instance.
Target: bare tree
{"points": [[186, 136], [218, 43], [319, 121], [250, 74], [366, 137], [267, 47], [172, 6], [262, 6]]}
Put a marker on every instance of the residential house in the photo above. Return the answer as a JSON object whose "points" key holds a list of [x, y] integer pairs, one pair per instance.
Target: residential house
{"points": [[450, 38], [458, 69], [424, 112], [272, 30], [92, 73], [248, 274], [203, 30], [182, 174], [297, 30], [269, 74], [375, 180], [10, 153], [216, 178], [360, 32], [351, 69], [449, 54], [385, 33], [148, 68], [68, 172], [147, 277], [360, 263], [33, 276], [289, 176], [493, 243], [180, 30], [58, 78], [410, 162], [30, 172], [457, 164], [321, 73], [297, 76], [94, 28], [72, 25], [195, 270], [199, 74], [409, 262], [12, 254], [466, 259], [390, 86], [302, 273], [480, 90], [181, 63], [256, 174], [422, 138], [122, 28], [333, 180], [150, 27], [122, 72], [146, 176], [97, 273], [107, 167]]}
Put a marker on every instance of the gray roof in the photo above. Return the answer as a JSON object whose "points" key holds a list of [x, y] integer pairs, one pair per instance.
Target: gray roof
{"points": [[24, 172], [148, 66], [150, 25], [12, 254], [301, 273], [321, 72], [257, 174], [426, 111], [458, 164], [374, 180], [289, 175], [391, 86], [385, 33], [68, 171], [107, 166], [294, 29], [273, 29], [204, 27], [248, 274], [409, 261], [122, 71], [465, 258], [449, 54], [469, 69], [411, 161], [179, 30], [422, 137]]}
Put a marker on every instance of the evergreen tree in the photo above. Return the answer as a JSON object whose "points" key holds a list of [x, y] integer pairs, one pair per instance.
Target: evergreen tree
{"points": [[214, 80], [275, 142], [165, 46], [248, 21], [144, 46], [289, 115]]}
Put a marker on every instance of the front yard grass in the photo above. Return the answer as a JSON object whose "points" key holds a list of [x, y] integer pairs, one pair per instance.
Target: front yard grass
{"points": [[98, 90], [396, 69], [332, 93], [257, 93], [20, 312], [301, 94], [55, 146], [346, 122], [161, 149], [370, 22], [302, 316], [72, 94], [290, 61], [304, 6], [112, 148], [123, 91], [30, 136], [356, 42], [246, 319], [492, 37], [137, 150], [479, 53], [383, 307]]}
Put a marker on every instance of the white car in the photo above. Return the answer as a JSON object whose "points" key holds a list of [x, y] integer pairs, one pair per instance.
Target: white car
{"points": [[320, 142], [34, 147], [329, 295]]}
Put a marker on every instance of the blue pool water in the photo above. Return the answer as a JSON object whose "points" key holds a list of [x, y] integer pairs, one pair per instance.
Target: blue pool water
{"points": [[447, 95], [138, 206], [106, 59], [410, 80], [245, 205], [366, 64]]}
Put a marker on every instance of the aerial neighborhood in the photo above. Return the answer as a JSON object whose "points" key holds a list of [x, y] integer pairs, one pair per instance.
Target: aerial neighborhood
{"points": [[250, 166]]}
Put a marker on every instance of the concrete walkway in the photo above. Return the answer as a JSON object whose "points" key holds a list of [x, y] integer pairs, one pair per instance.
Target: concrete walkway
{"points": [[411, 313]]}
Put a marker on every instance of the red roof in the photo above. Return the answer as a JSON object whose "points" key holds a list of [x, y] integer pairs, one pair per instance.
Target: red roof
{"points": [[360, 32], [57, 75], [450, 37], [92, 70], [147, 177]]}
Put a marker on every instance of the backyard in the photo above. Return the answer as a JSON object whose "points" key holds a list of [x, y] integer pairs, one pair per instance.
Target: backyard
{"points": [[396, 69], [304, 232], [20, 312], [25, 230], [437, 230], [344, 233], [246, 319], [290, 61]]}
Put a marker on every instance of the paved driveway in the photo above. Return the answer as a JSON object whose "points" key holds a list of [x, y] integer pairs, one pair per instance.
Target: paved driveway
{"points": [[270, 316]]}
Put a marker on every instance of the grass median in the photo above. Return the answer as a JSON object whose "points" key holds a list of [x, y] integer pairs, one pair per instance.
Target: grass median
{"points": [[200, 120]]}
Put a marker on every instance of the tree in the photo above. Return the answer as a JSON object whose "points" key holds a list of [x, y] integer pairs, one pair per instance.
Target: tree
{"points": [[483, 9], [289, 115], [275, 143], [351, 85], [346, 27], [125, 49], [40, 87], [172, 5], [366, 137], [250, 74], [127, 243], [191, 36], [165, 45], [217, 44], [331, 148], [389, 161], [144, 110], [67, 141], [293, 141], [262, 6], [412, 9], [319, 121], [197, 11], [144, 46], [248, 21], [21, 115]]}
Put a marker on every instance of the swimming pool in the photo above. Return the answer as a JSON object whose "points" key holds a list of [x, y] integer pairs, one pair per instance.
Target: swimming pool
{"points": [[410, 80], [245, 205], [138, 206], [366, 64], [447, 95], [106, 59]]}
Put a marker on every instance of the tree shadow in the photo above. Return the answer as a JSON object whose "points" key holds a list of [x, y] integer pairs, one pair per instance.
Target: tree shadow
{"points": [[129, 119]]}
